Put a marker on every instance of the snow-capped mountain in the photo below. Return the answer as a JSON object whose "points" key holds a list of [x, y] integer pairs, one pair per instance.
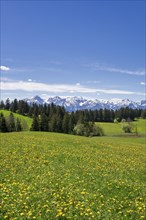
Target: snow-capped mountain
{"points": [[79, 103], [36, 99]]}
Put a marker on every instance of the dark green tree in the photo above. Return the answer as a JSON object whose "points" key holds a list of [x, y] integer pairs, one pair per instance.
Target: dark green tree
{"points": [[143, 114], [65, 123], [23, 107], [7, 104], [72, 122], [53, 123], [2, 105], [11, 123], [3, 124], [35, 124], [14, 106], [43, 122], [18, 125]]}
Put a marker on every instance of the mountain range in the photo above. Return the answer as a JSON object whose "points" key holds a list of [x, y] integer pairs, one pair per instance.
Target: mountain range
{"points": [[79, 103]]}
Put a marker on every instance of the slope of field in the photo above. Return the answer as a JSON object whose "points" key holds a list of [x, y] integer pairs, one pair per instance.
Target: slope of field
{"points": [[26, 121], [112, 129], [57, 176], [141, 125]]}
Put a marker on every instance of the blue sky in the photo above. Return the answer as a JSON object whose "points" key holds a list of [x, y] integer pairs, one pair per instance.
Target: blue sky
{"points": [[93, 49]]}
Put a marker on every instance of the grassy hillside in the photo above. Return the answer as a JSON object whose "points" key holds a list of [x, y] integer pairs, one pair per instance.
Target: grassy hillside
{"points": [[26, 121], [56, 176], [141, 125], [111, 129]]}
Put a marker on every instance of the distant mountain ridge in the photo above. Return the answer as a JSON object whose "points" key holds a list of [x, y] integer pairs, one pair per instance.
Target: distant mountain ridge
{"points": [[79, 103]]}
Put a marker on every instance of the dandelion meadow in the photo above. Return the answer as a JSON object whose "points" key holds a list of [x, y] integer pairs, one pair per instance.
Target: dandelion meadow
{"points": [[57, 176]]}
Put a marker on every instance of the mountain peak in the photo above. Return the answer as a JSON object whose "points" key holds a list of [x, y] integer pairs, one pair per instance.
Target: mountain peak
{"points": [[79, 103]]}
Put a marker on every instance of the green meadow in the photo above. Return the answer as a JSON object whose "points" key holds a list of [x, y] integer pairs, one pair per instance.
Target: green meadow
{"points": [[110, 129], [26, 121], [114, 129], [48, 176]]}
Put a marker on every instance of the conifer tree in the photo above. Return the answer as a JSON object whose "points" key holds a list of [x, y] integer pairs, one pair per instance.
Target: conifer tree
{"points": [[18, 125], [35, 124], [14, 106], [43, 122], [11, 123], [2, 105], [65, 123], [143, 114], [7, 105], [3, 125], [53, 123], [71, 123]]}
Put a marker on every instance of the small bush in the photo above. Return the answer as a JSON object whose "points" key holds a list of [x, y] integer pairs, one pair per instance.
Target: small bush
{"points": [[116, 120], [88, 129], [127, 127]]}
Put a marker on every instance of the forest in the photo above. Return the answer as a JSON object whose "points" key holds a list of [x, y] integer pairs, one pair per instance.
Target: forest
{"points": [[54, 118]]}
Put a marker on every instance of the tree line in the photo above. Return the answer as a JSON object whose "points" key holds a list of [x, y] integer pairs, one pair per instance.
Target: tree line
{"points": [[56, 119], [10, 123]]}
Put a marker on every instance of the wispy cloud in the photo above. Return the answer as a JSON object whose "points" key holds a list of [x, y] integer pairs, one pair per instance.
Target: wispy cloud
{"points": [[92, 82], [116, 70], [118, 92], [4, 68], [30, 86], [35, 86], [24, 69], [17, 69]]}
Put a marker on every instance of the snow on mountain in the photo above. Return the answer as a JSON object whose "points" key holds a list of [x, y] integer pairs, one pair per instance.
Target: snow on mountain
{"points": [[36, 99], [143, 104], [79, 103]]}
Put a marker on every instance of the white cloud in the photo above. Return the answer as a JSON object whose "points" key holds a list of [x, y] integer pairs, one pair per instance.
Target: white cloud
{"points": [[117, 70], [92, 81], [118, 92], [78, 84], [4, 68], [30, 80], [142, 83], [59, 88], [34, 86]]}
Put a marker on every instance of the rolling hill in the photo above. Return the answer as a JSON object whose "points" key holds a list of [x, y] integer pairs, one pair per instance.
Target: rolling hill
{"points": [[26, 121]]}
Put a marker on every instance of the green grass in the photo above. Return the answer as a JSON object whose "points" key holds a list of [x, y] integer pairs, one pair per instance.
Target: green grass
{"points": [[26, 121], [49, 176], [141, 125], [113, 129]]}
